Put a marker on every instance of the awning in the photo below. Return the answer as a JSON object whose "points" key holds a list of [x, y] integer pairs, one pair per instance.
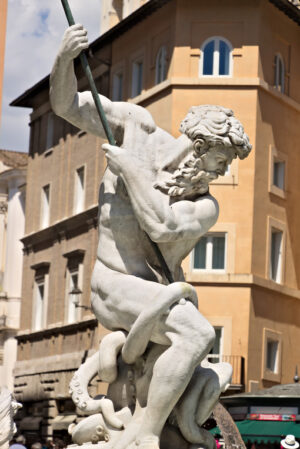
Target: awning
{"points": [[31, 423], [264, 431], [62, 422]]}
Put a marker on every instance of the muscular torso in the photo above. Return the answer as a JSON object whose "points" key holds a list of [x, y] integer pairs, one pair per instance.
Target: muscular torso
{"points": [[124, 246]]}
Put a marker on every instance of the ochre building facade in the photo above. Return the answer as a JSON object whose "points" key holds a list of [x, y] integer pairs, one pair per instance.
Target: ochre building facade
{"points": [[168, 56]]}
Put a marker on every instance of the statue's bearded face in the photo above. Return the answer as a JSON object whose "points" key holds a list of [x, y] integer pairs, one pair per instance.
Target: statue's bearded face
{"points": [[216, 160], [216, 138], [196, 172]]}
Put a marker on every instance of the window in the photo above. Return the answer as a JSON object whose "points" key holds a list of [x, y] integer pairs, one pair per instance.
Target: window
{"points": [[279, 73], [272, 355], [39, 303], [216, 57], [209, 253], [40, 292], [50, 131], [79, 197], [40, 295], [117, 93], [278, 174], [161, 65], [276, 255], [137, 78], [73, 280], [45, 206], [215, 355], [278, 163]]}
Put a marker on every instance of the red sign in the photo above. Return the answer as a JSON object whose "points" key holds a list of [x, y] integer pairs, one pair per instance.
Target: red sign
{"points": [[272, 417]]}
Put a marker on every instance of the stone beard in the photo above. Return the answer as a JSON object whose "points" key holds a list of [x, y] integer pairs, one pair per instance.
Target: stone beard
{"points": [[207, 126]]}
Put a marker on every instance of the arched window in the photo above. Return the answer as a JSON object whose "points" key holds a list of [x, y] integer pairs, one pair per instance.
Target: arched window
{"points": [[161, 65], [279, 73], [216, 57]]}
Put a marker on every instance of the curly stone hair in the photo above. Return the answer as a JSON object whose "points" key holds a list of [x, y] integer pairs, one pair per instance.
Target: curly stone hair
{"points": [[207, 126], [215, 125]]}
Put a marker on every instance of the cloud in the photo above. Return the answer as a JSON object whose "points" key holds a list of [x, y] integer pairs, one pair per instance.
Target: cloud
{"points": [[34, 31]]}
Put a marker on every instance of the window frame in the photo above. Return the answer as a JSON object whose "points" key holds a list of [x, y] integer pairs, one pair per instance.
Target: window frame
{"points": [[267, 374], [44, 222], [217, 357], [277, 156], [134, 90], [40, 279], [216, 57], [211, 270], [162, 53], [279, 76], [71, 270], [276, 225], [116, 76], [76, 208]]}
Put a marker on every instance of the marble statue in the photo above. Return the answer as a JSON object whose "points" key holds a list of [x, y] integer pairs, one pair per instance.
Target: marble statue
{"points": [[8, 409], [155, 189]]}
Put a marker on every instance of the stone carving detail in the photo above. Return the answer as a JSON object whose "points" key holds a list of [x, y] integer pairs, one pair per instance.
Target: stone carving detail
{"points": [[156, 189]]}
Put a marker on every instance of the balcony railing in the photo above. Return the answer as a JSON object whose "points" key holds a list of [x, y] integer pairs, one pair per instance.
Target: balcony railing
{"points": [[237, 363]]}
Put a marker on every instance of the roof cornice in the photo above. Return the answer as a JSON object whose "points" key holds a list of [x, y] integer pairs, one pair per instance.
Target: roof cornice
{"points": [[105, 39]]}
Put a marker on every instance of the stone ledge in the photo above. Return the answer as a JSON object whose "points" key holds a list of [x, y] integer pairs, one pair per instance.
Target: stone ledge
{"points": [[210, 82], [242, 280], [28, 335], [50, 364], [59, 229]]}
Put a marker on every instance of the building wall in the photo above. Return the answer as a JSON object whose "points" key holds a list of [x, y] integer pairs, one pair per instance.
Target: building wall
{"points": [[12, 220], [242, 300]]}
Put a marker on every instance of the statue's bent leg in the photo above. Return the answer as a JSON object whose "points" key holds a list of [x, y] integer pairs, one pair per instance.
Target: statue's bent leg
{"points": [[191, 338]]}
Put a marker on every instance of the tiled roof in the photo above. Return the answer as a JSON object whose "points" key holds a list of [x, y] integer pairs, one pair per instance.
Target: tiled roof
{"points": [[13, 159]]}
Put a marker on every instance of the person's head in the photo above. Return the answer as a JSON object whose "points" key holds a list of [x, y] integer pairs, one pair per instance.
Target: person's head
{"points": [[36, 445], [20, 439], [216, 138], [289, 442]]}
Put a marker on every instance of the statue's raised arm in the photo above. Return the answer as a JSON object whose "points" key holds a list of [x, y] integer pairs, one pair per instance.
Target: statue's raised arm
{"points": [[79, 108]]}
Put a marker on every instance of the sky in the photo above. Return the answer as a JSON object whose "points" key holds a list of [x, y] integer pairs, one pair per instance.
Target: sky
{"points": [[33, 35]]}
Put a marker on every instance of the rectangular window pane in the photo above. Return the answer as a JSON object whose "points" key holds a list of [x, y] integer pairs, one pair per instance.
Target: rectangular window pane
{"points": [[39, 306], [118, 87], [278, 174], [200, 254], [79, 191], [208, 56], [137, 78], [224, 58], [218, 259], [276, 244], [272, 355], [215, 352], [45, 206], [72, 310]]}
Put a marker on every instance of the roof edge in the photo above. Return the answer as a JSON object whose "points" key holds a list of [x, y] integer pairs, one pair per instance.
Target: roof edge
{"points": [[137, 16]]}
